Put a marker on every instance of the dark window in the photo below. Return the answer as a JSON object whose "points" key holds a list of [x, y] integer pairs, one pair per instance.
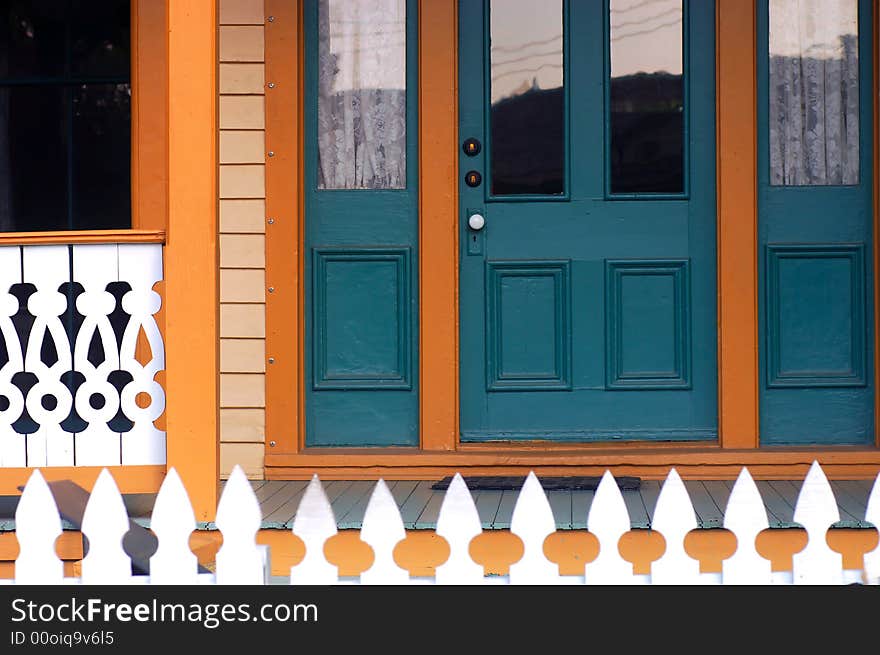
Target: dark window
{"points": [[647, 96], [65, 115]]}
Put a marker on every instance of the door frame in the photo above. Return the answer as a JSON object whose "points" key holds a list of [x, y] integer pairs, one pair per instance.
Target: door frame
{"points": [[440, 450]]}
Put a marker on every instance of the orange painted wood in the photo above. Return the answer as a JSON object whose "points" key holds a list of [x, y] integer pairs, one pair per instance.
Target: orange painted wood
{"points": [[438, 224], [191, 254], [149, 115], [81, 236], [737, 225], [283, 193], [129, 479]]}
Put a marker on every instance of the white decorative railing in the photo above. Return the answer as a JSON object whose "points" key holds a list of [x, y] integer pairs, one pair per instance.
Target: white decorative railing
{"points": [[70, 373], [241, 561]]}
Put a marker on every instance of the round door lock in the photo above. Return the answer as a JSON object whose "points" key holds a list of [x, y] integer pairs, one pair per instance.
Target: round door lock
{"points": [[473, 178], [471, 147], [476, 221]]}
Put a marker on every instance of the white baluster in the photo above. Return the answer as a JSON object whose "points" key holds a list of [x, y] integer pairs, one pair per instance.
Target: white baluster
{"points": [[94, 267], [382, 530], [609, 520], [816, 510], [673, 518], [533, 522], [13, 451], [458, 523], [47, 268], [37, 526], [140, 264], [173, 521], [105, 523], [745, 516], [872, 515], [240, 559], [314, 523]]}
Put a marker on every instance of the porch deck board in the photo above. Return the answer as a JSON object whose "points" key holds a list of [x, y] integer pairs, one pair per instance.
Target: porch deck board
{"points": [[650, 490], [708, 513], [581, 501], [487, 503], [505, 510], [638, 515], [281, 516], [560, 503], [415, 503]]}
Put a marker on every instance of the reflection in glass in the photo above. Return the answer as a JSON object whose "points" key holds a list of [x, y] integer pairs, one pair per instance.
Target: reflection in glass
{"points": [[361, 94], [646, 97], [814, 92], [527, 122]]}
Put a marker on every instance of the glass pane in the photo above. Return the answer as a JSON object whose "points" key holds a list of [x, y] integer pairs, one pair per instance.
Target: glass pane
{"points": [[527, 130], [33, 159], [101, 156], [32, 38], [361, 94], [647, 97], [99, 39], [814, 92]]}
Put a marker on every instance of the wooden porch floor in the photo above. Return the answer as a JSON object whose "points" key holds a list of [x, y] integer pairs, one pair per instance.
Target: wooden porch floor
{"points": [[420, 505]]}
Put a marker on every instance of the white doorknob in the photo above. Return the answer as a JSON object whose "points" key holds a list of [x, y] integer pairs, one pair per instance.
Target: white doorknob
{"points": [[476, 221]]}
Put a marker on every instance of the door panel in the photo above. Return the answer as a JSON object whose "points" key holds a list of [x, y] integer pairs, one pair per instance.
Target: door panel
{"points": [[588, 298], [815, 213]]}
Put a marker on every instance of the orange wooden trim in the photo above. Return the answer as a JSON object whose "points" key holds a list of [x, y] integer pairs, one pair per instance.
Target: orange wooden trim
{"points": [[283, 312], [703, 463], [129, 479], [81, 236], [301, 432], [191, 254], [737, 224], [438, 224], [149, 117]]}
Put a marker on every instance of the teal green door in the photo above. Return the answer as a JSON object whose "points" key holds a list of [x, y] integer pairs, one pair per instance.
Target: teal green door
{"points": [[361, 223], [815, 215], [587, 220]]}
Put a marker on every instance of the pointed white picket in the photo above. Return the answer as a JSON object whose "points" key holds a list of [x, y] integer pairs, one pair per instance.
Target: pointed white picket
{"points": [[239, 560], [173, 521], [673, 518], [872, 515], [533, 522], [609, 520], [105, 523], [37, 526], [458, 523], [382, 530], [745, 516], [816, 510], [314, 523], [13, 451]]}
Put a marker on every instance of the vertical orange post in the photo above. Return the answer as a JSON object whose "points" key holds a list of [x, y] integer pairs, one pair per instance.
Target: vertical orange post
{"points": [[737, 225], [191, 254], [438, 224]]}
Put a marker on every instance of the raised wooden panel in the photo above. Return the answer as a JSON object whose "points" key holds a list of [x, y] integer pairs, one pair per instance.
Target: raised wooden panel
{"points": [[242, 78], [816, 316], [362, 317], [242, 425], [242, 390], [248, 215], [242, 251], [242, 113], [241, 43], [647, 324], [242, 285], [242, 355], [240, 320], [241, 12], [247, 455], [242, 147], [242, 181], [528, 314]]}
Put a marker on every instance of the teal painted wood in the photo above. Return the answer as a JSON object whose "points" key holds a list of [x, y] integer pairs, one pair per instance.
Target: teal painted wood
{"points": [[560, 504], [638, 515], [580, 508], [709, 515], [816, 351], [361, 295], [585, 228], [280, 511]]}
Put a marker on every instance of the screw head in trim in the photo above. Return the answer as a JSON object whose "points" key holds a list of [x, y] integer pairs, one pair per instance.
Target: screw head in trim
{"points": [[271, 85], [271, 289], [272, 444], [270, 221], [271, 360], [271, 19]]}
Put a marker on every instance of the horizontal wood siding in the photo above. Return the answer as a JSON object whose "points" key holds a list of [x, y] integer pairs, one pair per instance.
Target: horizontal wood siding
{"points": [[242, 190]]}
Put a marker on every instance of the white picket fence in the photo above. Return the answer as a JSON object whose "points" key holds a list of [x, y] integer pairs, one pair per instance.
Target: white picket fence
{"points": [[241, 560]]}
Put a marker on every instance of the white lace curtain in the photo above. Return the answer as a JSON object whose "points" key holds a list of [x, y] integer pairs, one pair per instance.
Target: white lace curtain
{"points": [[814, 92], [362, 94]]}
